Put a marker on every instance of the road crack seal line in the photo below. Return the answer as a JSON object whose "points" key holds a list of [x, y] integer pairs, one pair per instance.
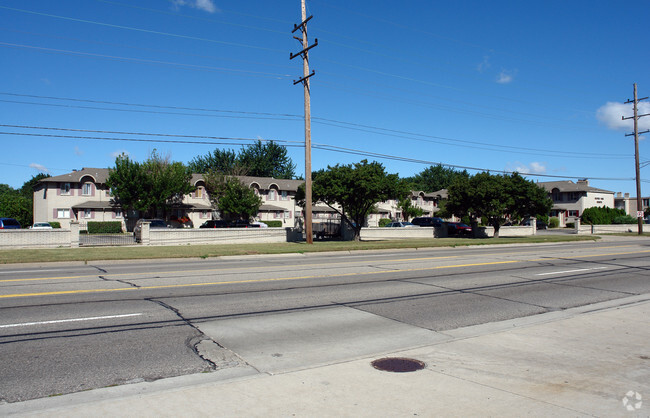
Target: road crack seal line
{"points": [[119, 281], [197, 344]]}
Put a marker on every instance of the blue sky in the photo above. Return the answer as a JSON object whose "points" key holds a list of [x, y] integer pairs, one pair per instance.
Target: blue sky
{"points": [[537, 88]]}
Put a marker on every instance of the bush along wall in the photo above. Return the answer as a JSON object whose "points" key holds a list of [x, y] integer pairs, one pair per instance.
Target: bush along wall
{"points": [[273, 224], [113, 227]]}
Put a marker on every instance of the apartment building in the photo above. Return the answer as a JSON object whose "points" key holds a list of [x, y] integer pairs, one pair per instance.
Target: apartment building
{"points": [[571, 199]]}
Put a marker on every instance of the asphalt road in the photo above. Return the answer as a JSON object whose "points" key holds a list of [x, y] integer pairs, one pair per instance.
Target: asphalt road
{"points": [[73, 327]]}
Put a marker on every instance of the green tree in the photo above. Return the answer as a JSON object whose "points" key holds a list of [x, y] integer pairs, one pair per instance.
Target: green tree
{"points": [[435, 178], [14, 205], [233, 198], [492, 197], [408, 210], [258, 159], [353, 190], [19, 203], [149, 187], [267, 160], [220, 161]]}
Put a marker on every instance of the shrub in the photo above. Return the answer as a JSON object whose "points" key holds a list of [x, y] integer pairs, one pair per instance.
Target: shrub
{"points": [[273, 224], [56, 225], [384, 221], [601, 215], [553, 222], [625, 219], [114, 227]]}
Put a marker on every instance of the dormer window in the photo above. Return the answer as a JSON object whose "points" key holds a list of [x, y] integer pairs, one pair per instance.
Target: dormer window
{"points": [[87, 189]]}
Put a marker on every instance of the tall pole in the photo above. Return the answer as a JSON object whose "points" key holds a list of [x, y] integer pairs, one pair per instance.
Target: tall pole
{"points": [[305, 73], [309, 233], [639, 200]]}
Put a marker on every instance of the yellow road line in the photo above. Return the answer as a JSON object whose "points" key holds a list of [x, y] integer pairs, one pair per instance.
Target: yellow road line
{"points": [[286, 278], [69, 292]]}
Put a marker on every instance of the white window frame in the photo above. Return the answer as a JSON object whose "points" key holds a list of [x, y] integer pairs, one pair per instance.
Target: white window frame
{"points": [[272, 195], [284, 195], [87, 189], [88, 213], [63, 213], [118, 213]]}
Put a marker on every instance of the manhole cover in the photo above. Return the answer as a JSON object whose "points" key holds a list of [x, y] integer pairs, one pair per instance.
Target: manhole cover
{"points": [[398, 364]]}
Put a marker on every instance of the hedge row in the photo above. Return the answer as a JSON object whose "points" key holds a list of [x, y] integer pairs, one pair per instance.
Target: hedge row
{"points": [[113, 227]]}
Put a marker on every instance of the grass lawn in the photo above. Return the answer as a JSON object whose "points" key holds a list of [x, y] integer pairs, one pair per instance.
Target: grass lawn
{"points": [[205, 251]]}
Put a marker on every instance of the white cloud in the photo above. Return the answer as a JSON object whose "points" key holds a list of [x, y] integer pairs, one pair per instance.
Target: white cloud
{"points": [[532, 168], [205, 5], [484, 65], [611, 115], [506, 77], [39, 167]]}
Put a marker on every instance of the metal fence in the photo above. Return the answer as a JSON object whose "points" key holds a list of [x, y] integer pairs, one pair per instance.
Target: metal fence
{"points": [[99, 240]]}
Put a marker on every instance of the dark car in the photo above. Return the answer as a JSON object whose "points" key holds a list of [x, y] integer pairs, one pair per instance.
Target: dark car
{"points": [[458, 228], [428, 221], [215, 223], [9, 223], [241, 223]]}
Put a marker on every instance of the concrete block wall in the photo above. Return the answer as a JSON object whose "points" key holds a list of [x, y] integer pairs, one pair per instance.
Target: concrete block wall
{"points": [[216, 236], [29, 238], [607, 229], [370, 234]]}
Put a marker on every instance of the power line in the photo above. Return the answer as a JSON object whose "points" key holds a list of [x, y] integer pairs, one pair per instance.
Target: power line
{"points": [[144, 61], [148, 134], [324, 121], [155, 32], [324, 147]]}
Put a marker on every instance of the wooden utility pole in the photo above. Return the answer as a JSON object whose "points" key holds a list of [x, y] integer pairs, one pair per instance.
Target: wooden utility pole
{"points": [[639, 200], [305, 81]]}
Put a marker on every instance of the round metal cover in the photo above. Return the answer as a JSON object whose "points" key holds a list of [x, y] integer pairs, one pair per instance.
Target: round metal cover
{"points": [[398, 364]]}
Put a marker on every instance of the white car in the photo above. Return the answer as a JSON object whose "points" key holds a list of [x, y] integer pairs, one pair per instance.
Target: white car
{"points": [[41, 225]]}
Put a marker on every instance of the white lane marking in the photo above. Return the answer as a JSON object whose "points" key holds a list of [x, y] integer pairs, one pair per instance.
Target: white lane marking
{"points": [[60, 321], [569, 271]]}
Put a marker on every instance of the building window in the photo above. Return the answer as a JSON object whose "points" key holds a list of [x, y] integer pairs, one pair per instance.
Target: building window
{"points": [[199, 193], [273, 195], [63, 213], [88, 213], [574, 213], [284, 195], [65, 188], [118, 213], [646, 202], [287, 214], [87, 189]]}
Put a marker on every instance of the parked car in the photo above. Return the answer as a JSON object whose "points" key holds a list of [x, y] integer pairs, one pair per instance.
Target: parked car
{"points": [[215, 223], [539, 224], [243, 223], [9, 223], [41, 225], [428, 221], [153, 224], [401, 225], [458, 228]]}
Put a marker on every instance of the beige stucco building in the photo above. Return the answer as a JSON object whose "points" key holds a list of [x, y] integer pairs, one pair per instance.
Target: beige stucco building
{"points": [[571, 199]]}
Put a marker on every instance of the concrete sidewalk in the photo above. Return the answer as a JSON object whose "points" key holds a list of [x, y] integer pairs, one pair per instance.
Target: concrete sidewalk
{"points": [[588, 361]]}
